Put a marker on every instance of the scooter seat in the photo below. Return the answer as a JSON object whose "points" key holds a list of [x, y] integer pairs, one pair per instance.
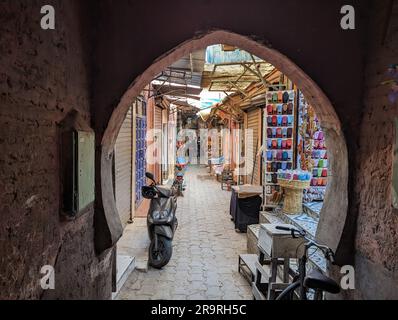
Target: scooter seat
{"points": [[316, 280]]}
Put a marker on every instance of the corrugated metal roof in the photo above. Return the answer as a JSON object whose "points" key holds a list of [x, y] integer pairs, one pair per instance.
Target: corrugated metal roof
{"points": [[217, 54], [186, 71]]}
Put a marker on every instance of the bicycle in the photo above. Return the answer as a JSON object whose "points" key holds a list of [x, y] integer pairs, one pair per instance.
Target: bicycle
{"points": [[315, 280]]}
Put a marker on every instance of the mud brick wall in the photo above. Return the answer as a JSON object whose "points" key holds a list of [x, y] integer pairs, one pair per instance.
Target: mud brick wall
{"points": [[43, 76], [377, 226]]}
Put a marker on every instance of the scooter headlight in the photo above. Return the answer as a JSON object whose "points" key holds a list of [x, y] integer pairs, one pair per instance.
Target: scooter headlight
{"points": [[159, 215]]}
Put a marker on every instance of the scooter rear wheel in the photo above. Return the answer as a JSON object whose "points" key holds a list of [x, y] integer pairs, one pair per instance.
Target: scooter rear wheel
{"points": [[160, 257]]}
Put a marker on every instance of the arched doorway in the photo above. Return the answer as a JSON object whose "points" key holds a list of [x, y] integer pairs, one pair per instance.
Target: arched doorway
{"points": [[331, 225]]}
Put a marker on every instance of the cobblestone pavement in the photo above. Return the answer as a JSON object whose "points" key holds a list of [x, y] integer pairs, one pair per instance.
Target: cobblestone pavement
{"points": [[205, 250]]}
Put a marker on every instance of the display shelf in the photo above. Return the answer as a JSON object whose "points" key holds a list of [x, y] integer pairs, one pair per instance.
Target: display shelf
{"points": [[279, 121], [287, 127], [311, 150]]}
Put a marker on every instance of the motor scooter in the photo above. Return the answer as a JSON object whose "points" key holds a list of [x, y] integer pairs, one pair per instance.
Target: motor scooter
{"points": [[161, 221], [179, 183]]}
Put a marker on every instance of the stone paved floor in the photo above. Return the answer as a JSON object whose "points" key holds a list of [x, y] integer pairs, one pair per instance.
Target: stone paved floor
{"points": [[205, 250]]}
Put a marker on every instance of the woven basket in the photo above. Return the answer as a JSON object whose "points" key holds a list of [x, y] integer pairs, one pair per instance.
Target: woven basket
{"points": [[293, 202]]}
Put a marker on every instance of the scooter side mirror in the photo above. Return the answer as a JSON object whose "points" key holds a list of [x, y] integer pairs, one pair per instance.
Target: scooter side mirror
{"points": [[150, 177]]}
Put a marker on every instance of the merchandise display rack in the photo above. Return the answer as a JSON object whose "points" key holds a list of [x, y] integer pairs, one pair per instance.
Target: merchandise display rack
{"points": [[279, 122], [312, 153]]}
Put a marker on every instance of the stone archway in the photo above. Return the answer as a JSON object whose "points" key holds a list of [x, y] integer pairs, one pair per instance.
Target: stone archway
{"points": [[335, 207]]}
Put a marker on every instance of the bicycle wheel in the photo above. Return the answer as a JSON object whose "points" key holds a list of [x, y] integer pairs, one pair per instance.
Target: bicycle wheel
{"points": [[288, 293]]}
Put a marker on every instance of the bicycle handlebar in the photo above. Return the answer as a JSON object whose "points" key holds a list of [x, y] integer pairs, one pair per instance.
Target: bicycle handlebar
{"points": [[328, 253], [295, 233], [283, 228]]}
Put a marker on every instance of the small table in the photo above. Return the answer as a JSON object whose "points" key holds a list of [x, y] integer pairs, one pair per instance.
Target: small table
{"points": [[248, 190], [276, 249], [247, 266], [245, 206]]}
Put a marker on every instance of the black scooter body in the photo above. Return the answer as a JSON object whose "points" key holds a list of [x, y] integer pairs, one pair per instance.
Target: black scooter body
{"points": [[161, 222], [164, 227]]}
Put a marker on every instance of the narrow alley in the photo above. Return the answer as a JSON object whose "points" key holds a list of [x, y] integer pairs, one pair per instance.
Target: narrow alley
{"points": [[204, 264], [198, 150]]}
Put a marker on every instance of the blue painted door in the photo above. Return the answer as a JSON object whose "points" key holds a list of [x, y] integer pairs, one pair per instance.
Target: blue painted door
{"points": [[140, 162]]}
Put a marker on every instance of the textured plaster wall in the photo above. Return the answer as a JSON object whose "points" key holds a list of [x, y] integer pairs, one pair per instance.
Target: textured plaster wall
{"points": [[377, 229], [43, 75]]}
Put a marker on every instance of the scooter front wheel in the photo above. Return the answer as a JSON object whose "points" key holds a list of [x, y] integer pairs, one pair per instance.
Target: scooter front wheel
{"points": [[161, 256]]}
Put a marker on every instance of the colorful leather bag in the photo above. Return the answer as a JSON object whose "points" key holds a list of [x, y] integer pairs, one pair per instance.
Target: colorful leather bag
{"points": [[285, 97], [284, 108], [280, 96], [284, 121], [269, 155], [290, 108]]}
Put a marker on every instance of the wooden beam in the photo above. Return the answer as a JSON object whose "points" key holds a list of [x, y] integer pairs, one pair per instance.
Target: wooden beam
{"points": [[239, 89], [259, 72]]}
